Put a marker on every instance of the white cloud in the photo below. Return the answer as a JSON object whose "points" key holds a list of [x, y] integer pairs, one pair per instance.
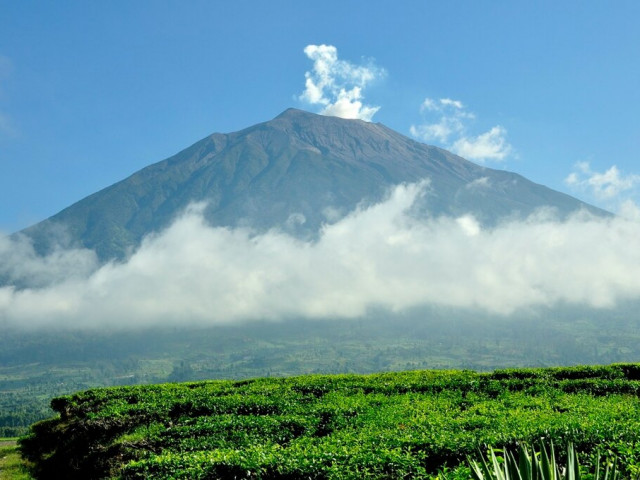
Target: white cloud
{"points": [[469, 225], [491, 145], [479, 184], [454, 103], [441, 104], [439, 132], [451, 121], [337, 85], [629, 209], [20, 263], [374, 257], [611, 189], [604, 186], [447, 125]]}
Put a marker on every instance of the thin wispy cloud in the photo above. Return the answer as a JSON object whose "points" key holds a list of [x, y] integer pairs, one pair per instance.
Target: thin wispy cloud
{"points": [[613, 188], [376, 257], [603, 185], [447, 123], [491, 145], [451, 122], [336, 85], [22, 265]]}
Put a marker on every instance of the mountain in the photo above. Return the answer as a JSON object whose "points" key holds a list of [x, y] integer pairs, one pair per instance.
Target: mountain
{"points": [[295, 172]]}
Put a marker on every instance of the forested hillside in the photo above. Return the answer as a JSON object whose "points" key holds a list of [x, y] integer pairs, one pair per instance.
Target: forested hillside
{"points": [[417, 424]]}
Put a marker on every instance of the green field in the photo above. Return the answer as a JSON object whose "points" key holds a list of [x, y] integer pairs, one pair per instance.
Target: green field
{"points": [[415, 424], [12, 466]]}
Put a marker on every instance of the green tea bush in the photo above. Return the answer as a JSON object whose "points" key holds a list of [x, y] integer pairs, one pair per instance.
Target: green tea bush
{"points": [[419, 424]]}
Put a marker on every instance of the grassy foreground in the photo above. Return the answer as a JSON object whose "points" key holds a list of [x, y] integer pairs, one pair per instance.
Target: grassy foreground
{"points": [[420, 424], [12, 466]]}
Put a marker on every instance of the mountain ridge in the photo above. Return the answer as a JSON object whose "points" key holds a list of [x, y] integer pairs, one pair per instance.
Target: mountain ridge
{"points": [[289, 172]]}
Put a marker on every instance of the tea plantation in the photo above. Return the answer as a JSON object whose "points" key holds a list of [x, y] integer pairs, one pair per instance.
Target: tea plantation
{"points": [[418, 424]]}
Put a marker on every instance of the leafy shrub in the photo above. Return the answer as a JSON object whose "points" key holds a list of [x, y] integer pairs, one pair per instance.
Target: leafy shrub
{"points": [[417, 424]]}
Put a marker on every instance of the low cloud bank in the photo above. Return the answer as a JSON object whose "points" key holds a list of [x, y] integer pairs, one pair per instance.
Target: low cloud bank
{"points": [[20, 264], [375, 257]]}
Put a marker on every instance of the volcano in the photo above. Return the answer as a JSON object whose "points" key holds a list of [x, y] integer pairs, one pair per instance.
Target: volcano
{"points": [[296, 172]]}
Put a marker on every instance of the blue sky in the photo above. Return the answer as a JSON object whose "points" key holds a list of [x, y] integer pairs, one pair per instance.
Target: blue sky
{"points": [[91, 92]]}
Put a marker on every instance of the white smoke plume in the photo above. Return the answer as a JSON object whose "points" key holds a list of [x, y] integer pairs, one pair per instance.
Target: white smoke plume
{"points": [[336, 85]]}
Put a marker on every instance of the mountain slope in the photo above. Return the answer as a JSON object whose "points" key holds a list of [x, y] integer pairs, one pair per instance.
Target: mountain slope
{"points": [[294, 172]]}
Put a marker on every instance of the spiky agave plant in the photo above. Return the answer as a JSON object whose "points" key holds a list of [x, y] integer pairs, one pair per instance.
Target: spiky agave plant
{"points": [[541, 465]]}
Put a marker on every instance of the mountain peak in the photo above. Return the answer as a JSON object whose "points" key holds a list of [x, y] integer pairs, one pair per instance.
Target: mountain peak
{"points": [[348, 139], [301, 116], [298, 166], [293, 113]]}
